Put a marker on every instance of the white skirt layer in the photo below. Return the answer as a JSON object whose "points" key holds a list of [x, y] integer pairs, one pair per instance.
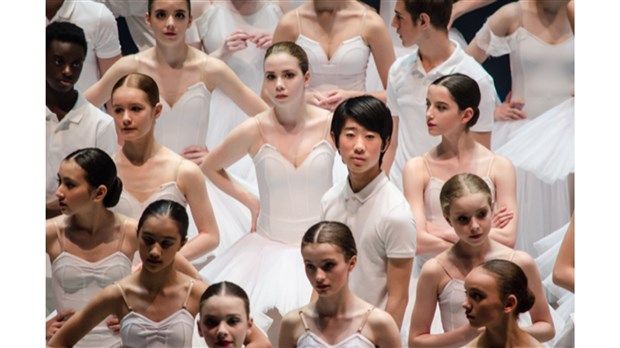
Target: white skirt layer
{"points": [[544, 146], [271, 272]]}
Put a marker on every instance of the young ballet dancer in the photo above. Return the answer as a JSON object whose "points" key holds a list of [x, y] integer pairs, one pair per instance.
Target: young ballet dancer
{"points": [[467, 205], [425, 24], [71, 122], [224, 319], [157, 304], [496, 293], [337, 318], [372, 206]]}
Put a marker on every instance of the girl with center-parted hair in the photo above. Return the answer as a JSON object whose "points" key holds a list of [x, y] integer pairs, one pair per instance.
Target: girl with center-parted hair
{"points": [[497, 292], [337, 318], [156, 305], [466, 203], [89, 246], [452, 109]]}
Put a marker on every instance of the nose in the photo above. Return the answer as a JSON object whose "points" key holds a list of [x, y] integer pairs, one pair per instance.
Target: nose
{"points": [[67, 70], [279, 84], [359, 146], [170, 21], [222, 331], [126, 118], [59, 193], [466, 305], [320, 276], [155, 251], [394, 23], [474, 224]]}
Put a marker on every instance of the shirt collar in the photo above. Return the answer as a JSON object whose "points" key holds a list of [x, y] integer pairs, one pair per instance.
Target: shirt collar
{"points": [[364, 194], [445, 68], [74, 115], [64, 12]]}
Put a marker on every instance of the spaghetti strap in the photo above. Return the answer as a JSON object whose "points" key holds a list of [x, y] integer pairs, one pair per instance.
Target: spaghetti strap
{"points": [[122, 238], [59, 236], [327, 126], [189, 291], [365, 320], [444, 268], [303, 320], [363, 21], [136, 57], [490, 166], [298, 21], [176, 175], [260, 130], [124, 296], [427, 165], [512, 255]]}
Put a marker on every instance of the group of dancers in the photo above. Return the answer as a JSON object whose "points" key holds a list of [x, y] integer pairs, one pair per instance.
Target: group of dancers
{"points": [[328, 207]]}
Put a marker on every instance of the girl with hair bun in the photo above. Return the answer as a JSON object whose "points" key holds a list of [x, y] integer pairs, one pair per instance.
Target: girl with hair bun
{"points": [[497, 292], [452, 109], [466, 204], [89, 246], [337, 318]]}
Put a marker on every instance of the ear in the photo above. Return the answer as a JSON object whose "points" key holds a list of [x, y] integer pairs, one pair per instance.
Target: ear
{"points": [[189, 21], [100, 193], [352, 263], [147, 19], [510, 304], [424, 21], [250, 326], [307, 79], [158, 108], [448, 219], [198, 325], [467, 114]]}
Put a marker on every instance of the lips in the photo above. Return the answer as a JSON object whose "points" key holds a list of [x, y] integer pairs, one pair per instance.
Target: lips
{"points": [[281, 96], [223, 343]]}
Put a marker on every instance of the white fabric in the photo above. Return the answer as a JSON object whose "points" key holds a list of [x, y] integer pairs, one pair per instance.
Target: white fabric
{"points": [[407, 87], [270, 270], [383, 227], [311, 340], [176, 330], [129, 206], [83, 126], [101, 34]]}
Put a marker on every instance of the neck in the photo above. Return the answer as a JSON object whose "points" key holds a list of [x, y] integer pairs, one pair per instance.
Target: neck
{"points": [[174, 57], [505, 334], [336, 305], [155, 282], [51, 7], [244, 7], [457, 145], [292, 115], [138, 152], [474, 253], [329, 5], [60, 102], [358, 181], [93, 220], [435, 48], [551, 7]]}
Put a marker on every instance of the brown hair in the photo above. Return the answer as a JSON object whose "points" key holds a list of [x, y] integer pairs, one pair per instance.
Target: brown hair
{"points": [[331, 232], [464, 91], [142, 82], [226, 289], [461, 185], [293, 49], [511, 280]]}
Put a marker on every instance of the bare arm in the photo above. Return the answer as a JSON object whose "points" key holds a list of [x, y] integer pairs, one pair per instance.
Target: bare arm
{"points": [[564, 268], [390, 153], [424, 312], [192, 184], [385, 330], [290, 330], [105, 63], [415, 179], [102, 305], [398, 275], [502, 23], [235, 146], [256, 339], [99, 93], [505, 181], [462, 7], [542, 325]]}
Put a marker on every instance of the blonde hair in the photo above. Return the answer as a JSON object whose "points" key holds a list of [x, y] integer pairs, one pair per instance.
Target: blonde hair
{"points": [[460, 185]]}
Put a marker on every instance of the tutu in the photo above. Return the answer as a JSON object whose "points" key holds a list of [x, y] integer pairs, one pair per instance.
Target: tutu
{"points": [[544, 146]]}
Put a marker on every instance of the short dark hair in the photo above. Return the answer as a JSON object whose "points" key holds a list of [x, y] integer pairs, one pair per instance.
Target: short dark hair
{"points": [[464, 91], [229, 289], [439, 11], [65, 32], [165, 207], [100, 170], [368, 111]]}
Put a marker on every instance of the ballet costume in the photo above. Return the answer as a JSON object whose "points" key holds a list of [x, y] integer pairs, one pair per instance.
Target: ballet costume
{"points": [[345, 69], [267, 264], [309, 339], [76, 281], [184, 124], [219, 21]]}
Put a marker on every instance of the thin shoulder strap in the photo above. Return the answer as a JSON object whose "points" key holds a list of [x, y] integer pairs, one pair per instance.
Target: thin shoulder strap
{"points": [[59, 236], [189, 291], [327, 126], [444, 268], [124, 296], [303, 320], [122, 238], [260, 130], [136, 57], [512, 255], [176, 175], [363, 21], [520, 12], [298, 21], [490, 166], [427, 165], [365, 320]]}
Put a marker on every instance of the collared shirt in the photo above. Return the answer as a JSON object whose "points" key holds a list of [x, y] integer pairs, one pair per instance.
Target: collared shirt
{"points": [[101, 34], [383, 228], [83, 126], [407, 90]]}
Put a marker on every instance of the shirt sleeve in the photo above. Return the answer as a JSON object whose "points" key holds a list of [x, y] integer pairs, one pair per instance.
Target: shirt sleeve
{"points": [[107, 44], [399, 233], [106, 137], [392, 97]]}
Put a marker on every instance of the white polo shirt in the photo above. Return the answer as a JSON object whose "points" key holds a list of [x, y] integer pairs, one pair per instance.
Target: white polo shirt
{"points": [[101, 34], [383, 227], [406, 90], [83, 126]]}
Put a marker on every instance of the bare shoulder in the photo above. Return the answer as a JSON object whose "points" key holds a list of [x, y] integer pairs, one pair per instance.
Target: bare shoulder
{"points": [[292, 324], [380, 320], [524, 260], [52, 246], [287, 28], [506, 20], [432, 271], [415, 165], [502, 164]]}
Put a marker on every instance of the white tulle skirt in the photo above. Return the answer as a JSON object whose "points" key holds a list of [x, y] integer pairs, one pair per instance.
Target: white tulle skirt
{"points": [[271, 272]]}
